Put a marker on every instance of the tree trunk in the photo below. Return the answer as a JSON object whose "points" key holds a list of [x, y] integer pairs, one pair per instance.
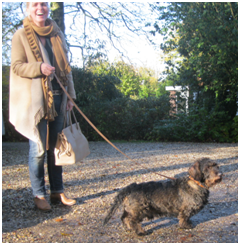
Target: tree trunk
{"points": [[57, 14]]}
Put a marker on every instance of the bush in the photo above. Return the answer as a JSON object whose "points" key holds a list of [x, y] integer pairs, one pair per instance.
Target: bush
{"points": [[197, 126], [124, 118], [91, 88]]}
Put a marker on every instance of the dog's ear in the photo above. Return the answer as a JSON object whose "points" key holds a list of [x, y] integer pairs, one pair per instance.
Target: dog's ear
{"points": [[195, 172]]}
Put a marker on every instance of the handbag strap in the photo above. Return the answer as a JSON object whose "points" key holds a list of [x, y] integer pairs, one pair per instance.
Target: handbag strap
{"points": [[68, 119], [77, 125]]}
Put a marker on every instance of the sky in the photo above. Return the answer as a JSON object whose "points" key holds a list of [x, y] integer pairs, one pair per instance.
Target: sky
{"points": [[137, 48], [141, 53]]}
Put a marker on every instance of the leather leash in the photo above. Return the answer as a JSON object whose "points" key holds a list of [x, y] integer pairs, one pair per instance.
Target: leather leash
{"points": [[101, 133]]}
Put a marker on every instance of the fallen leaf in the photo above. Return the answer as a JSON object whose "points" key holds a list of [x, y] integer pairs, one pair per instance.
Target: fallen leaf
{"points": [[184, 238], [66, 234], [59, 220]]}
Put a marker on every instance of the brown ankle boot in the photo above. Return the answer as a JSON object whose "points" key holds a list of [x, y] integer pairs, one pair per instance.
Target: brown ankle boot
{"points": [[60, 197], [42, 203]]}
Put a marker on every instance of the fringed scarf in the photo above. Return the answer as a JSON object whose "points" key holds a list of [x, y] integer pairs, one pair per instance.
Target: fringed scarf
{"points": [[62, 67]]}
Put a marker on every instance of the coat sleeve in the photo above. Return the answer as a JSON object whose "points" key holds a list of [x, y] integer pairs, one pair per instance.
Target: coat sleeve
{"points": [[21, 65]]}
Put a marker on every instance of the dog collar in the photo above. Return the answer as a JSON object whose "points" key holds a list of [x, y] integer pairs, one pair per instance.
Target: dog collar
{"points": [[197, 182]]}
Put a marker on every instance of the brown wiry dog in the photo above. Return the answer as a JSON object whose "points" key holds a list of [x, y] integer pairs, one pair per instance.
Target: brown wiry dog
{"points": [[181, 198]]}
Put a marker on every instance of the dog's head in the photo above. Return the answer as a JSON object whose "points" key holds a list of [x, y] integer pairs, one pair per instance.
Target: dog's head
{"points": [[206, 171]]}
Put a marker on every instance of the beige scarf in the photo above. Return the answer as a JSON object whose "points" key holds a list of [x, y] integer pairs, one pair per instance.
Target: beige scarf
{"points": [[62, 66]]}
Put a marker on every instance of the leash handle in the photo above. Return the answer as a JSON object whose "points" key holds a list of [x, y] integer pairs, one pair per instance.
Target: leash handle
{"points": [[106, 139]]}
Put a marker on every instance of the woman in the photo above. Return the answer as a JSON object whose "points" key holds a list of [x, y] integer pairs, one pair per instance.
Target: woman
{"points": [[37, 102]]}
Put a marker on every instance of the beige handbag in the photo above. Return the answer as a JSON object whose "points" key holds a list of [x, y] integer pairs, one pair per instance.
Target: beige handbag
{"points": [[71, 146]]}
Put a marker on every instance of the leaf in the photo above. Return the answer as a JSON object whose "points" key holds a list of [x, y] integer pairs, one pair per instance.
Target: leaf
{"points": [[66, 234], [59, 220], [183, 239]]}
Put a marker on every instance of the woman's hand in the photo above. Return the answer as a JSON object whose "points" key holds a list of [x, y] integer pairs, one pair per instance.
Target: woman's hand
{"points": [[69, 105], [46, 69]]}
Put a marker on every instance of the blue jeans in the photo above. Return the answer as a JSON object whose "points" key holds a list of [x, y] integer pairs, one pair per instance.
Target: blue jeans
{"points": [[36, 159]]}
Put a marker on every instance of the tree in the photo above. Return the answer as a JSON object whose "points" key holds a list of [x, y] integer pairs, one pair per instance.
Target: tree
{"points": [[206, 35], [135, 82], [57, 14], [10, 23], [96, 26], [208, 41]]}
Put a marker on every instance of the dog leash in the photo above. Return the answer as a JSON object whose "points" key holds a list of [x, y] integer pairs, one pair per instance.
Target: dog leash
{"points": [[85, 117]]}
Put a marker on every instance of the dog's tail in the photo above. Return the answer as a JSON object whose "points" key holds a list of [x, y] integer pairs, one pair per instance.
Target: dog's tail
{"points": [[118, 201]]}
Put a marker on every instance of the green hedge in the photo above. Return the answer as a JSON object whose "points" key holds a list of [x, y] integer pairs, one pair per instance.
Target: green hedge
{"points": [[197, 126], [124, 118]]}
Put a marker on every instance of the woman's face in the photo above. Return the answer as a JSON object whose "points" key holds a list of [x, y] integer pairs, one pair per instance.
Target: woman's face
{"points": [[38, 12]]}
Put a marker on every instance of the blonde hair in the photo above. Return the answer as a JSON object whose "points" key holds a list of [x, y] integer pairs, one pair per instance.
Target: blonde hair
{"points": [[28, 4]]}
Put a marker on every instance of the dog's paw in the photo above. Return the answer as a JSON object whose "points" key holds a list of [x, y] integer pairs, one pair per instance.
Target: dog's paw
{"points": [[183, 224], [142, 233], [186, 226], [126, 228]]}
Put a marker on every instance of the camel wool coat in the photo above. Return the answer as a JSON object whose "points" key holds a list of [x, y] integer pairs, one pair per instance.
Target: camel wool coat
{"points": [[26, 99]]}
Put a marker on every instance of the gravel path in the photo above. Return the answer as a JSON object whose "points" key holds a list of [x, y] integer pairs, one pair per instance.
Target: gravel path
{"points": [[94, 183]]}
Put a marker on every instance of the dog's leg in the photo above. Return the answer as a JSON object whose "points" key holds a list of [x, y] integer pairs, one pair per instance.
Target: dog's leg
{"points": [[132, 223], [125, 220], [136, 226], [184, 221]]}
